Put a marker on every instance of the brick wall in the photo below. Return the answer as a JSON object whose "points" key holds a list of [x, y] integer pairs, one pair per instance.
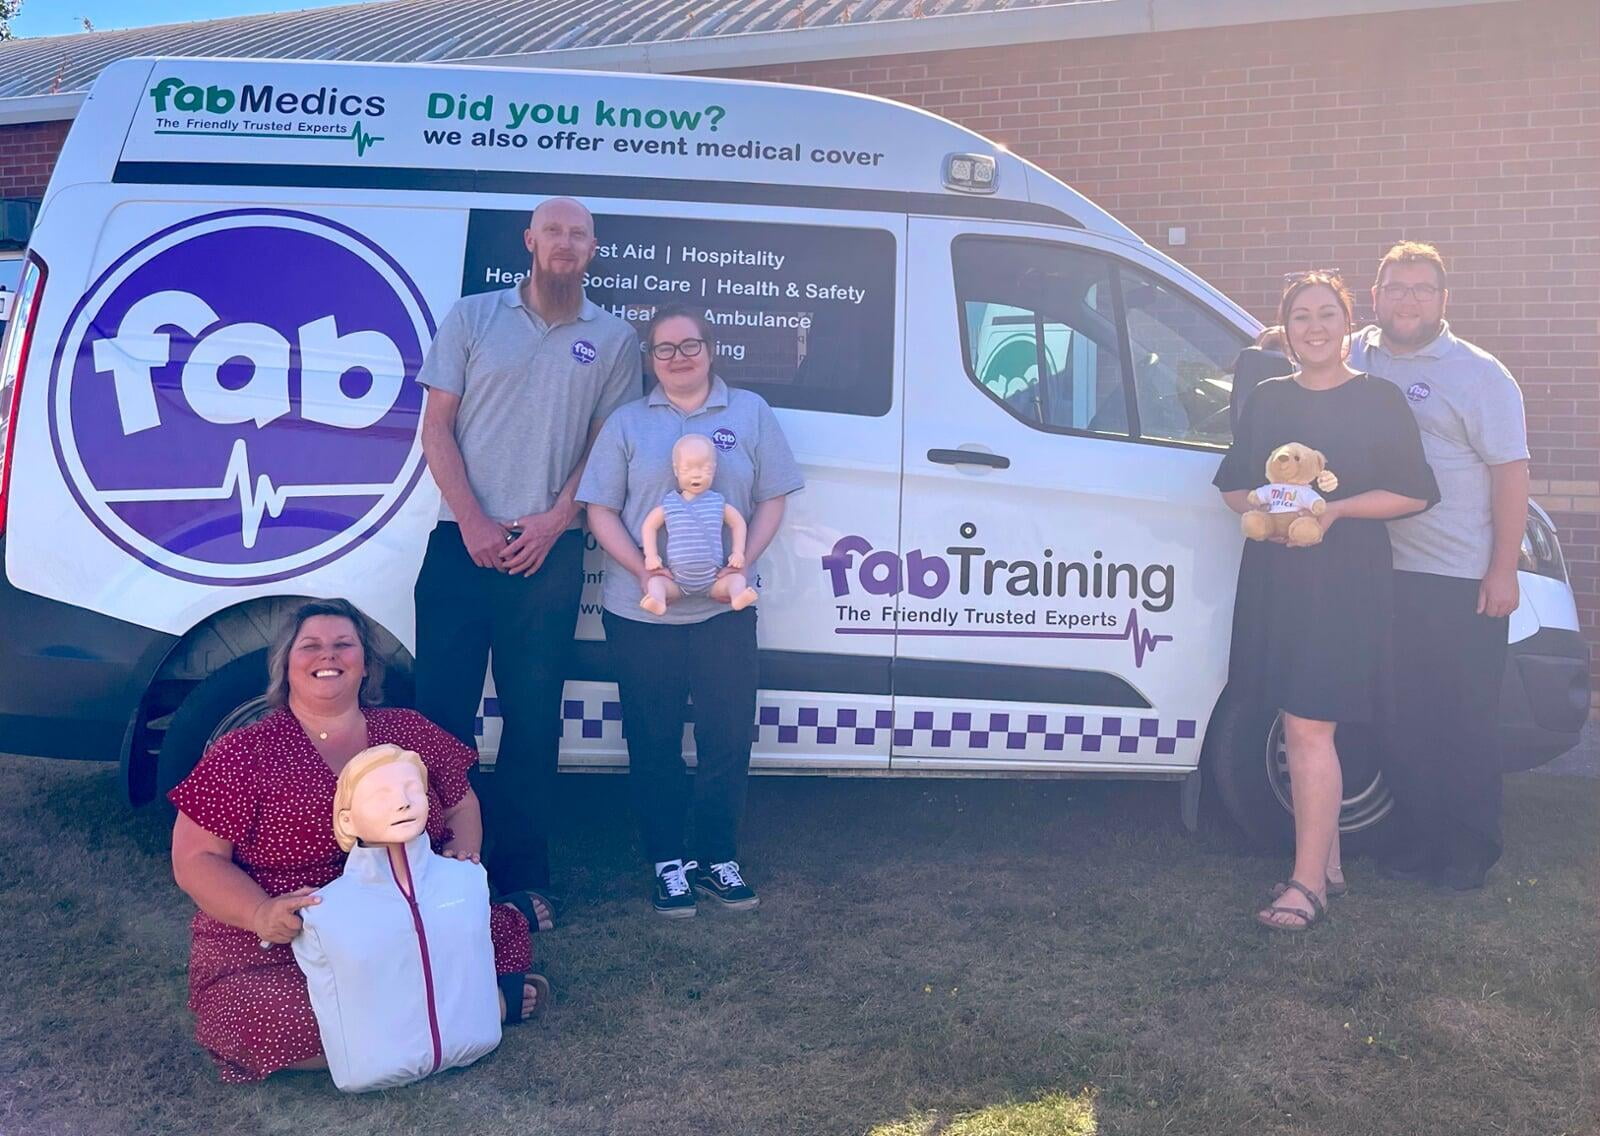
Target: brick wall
{"points": [[26, 154], [1320, 143], [1313, 143]]}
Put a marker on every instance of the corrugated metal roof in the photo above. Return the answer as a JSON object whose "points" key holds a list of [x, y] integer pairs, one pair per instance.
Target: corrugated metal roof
{"points": [[429, 30]]}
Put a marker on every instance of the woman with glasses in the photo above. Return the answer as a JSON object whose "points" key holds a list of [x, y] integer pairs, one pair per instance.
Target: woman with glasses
{"points": [[1311, 621], [698, 649]]}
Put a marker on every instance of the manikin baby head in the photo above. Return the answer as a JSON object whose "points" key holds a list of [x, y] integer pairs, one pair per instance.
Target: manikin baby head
{"points": [[694, 463], [382, 798]]}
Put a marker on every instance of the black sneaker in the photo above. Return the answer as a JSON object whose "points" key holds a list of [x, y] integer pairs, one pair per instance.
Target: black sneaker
{"points": [[723, 883], [673, 897]]}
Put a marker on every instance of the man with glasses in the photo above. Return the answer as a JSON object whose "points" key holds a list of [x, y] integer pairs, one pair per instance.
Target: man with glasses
{"points": [[1456, 573], [519, 382]]}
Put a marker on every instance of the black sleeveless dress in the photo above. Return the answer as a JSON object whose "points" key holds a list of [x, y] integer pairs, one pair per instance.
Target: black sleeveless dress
{"points": [[1311, 625]]}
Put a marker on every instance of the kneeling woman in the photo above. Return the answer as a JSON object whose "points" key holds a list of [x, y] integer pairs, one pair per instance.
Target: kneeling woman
{"points": [[253, 839], [1311, 623], [697, 648]]}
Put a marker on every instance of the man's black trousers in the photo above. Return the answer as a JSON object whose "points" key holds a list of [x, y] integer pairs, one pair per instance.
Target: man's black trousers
{"points": [[659, 668], [464, 612], [1443, 762]]}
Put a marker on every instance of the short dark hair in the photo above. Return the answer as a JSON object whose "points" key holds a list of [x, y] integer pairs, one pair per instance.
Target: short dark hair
{"points": [[1300, 283], [702, 326], [278, 656], [1411, 252]]}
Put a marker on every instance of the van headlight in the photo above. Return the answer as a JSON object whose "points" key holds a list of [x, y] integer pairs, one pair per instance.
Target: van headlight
{"points": [[1541, 551]]}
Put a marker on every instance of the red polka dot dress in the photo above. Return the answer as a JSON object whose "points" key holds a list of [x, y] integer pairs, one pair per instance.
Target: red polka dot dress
{"points": [[266, 790]]}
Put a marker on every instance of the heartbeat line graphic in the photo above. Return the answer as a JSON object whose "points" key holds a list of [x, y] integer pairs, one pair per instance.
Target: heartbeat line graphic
{"points": [[364, 141], [1144, 642], [257, 500]]}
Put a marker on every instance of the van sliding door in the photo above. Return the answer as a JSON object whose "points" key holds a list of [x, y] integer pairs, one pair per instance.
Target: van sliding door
{"points": [[1065, 575]]}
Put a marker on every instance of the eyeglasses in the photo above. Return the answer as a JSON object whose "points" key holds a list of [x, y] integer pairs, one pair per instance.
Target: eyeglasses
{"points": [[1422, 293], [689, 348]]}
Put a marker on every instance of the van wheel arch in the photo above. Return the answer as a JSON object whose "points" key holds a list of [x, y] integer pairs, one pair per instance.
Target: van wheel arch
{"points": [[1243, 764], [205, 683]]}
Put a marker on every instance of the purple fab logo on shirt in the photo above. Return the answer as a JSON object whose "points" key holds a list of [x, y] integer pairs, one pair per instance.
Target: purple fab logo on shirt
{"points": [[1416, 392], [584, 352], [234, 400], [724, 439]]}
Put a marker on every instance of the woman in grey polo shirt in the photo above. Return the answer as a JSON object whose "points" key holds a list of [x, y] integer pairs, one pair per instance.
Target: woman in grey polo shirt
{"points": [[699, 649]]}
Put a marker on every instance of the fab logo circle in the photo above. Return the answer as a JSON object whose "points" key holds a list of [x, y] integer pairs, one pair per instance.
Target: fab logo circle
{"points": [[584, 352], [724, 439], [1416, 392], [234, 400]]}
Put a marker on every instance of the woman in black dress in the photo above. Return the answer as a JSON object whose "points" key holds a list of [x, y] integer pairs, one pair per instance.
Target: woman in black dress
{"points": [[1310, 623]]}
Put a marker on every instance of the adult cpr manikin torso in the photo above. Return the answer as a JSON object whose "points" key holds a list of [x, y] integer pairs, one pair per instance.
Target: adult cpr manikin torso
{"points": [[402, 985]]}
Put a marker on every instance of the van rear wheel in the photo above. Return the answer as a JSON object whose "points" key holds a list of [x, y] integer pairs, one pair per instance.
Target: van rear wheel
{"points": [[1248, 765], [230, 697]]}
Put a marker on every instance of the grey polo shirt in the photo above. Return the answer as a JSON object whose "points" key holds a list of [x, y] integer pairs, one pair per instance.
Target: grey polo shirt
{"points": [[528, 393], [630, 470], [1470, 411]]}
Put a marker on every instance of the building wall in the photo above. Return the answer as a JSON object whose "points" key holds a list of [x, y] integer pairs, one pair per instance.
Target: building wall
{"points": [[1312, 143], [27, 153], [1318, 143]]}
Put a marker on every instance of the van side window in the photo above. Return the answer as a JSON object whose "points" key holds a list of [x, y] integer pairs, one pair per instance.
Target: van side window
{"points": [[1039, 332], [1182, 363], [804, 314]]}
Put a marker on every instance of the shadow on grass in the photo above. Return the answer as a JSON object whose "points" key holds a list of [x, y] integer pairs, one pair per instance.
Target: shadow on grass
{"points": [[974, 956]]}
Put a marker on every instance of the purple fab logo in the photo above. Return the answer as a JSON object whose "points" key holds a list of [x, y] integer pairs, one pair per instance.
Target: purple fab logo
{"points": [[235, 400], [583, 351], [724, 439], [1416, 392]]}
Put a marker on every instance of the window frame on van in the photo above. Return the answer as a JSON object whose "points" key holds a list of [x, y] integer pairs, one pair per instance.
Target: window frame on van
{"points": [[1114, 264]]}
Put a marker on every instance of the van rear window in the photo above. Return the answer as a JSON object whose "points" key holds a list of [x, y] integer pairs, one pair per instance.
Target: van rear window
{"points": [[805, 314]]}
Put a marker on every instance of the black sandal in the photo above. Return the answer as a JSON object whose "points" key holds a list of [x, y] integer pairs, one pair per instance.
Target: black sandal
{"points": [[523, 901], [1337, 889], [1317, 915], [511, 989]]}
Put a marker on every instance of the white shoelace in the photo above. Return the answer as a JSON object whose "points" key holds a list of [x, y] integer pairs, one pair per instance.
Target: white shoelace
{"points": [[727, 873], [676, 880]]}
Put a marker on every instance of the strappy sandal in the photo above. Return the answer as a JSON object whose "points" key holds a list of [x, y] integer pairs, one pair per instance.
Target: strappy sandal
{"points": [[511, 989], [523, 901], [1318, 912], [1336, 889]]}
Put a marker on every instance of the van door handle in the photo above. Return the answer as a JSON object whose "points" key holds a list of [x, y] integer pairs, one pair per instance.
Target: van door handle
{"points": [[969, 457]]}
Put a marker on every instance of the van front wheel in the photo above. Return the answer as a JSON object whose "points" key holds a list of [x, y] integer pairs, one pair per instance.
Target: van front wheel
{"points": [[1248, 765], [232, 696]]}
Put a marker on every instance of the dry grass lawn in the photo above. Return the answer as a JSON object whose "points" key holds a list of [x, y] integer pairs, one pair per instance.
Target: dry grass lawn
{"points": [[963, 958]]}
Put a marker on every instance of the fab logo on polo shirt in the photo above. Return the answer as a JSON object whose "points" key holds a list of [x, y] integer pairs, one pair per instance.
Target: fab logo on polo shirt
{"points": [[235, 399], [1416, 392], [584, 352], [724, 439]]}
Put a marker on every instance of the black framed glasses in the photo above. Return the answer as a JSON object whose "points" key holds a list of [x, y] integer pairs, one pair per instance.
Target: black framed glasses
{"points": [[688, 348], [1422, 293]]}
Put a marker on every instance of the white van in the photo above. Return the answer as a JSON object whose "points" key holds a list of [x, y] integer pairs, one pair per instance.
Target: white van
{"points": [[1008, 560]]}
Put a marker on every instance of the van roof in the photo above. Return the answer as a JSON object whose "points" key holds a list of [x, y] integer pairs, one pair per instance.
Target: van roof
{"points": [[428, 126]]}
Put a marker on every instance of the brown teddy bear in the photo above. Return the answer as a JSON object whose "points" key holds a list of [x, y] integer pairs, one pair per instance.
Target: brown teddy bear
{"points": [[1287, 505]]}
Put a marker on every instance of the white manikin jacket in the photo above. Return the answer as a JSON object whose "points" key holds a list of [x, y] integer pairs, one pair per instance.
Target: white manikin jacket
{"points": [[1281, 497], [401, 989]]}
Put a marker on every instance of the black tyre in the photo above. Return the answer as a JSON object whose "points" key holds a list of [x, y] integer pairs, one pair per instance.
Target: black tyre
{"points": [[1247, 766], [230, 697]]}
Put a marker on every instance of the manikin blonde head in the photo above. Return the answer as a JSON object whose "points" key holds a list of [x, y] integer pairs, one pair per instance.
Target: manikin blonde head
{"points": [[694, 463], [390, 808]]}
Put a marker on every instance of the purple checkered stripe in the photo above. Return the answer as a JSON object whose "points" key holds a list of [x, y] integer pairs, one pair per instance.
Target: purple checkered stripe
{"points": [[1054, 732], [963, 730]]}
